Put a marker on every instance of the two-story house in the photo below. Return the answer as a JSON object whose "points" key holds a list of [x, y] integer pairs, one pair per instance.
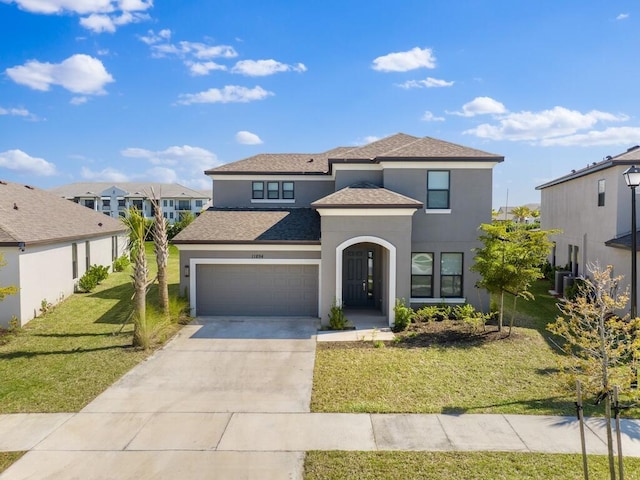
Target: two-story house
{"points": [[592, 207], [290, 234], [114, 199]]}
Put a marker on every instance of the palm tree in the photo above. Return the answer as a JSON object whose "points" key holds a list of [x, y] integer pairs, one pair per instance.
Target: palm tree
{"points": [[520, 213], [161, 249], [138, 228]]}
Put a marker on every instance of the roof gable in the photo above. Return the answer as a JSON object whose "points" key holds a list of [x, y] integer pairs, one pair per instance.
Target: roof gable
{"points": [[366, 195], [30, 215]]}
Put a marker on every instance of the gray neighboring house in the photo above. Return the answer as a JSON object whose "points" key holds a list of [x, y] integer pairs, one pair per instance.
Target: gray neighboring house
{"points": [[48, 243], [113, 199], [290, 234], [592, 207]]}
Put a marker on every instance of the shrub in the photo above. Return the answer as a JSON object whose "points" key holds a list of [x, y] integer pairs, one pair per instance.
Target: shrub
{"points": [[460, 312], [120, 263], [426, 314], [402, 316], [337, 320], [93, 277]]}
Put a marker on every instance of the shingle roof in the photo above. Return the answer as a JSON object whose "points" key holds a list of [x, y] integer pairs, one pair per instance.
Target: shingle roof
{"points": [[162, 190], [630, 157], [253, 226], [366, 195], [398, 146], [36, 216]]}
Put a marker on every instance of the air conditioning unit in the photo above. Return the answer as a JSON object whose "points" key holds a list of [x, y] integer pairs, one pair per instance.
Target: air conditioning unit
{"points": [[559, 280], [566, 283]]}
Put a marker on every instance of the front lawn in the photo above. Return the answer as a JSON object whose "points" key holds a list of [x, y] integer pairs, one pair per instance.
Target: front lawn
{"points": [[515, 375], [457, 466], [7, 458], [62, 360]]}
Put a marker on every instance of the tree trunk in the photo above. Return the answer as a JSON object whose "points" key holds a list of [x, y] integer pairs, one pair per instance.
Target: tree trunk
{"points": [[161, 248], [501, 313], [140, 273], [607, 415]]}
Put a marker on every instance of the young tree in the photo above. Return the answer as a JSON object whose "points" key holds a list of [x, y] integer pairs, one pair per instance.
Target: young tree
{"points": [[161, 249], [601, 345], [138, 229], [509, 261]]}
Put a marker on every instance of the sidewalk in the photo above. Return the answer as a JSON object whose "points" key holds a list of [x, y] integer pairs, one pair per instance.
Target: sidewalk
{"points": [[230, 399]]}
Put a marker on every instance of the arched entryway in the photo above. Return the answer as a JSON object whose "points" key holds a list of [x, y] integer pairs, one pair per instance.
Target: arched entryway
{"points": [[366, 274]]}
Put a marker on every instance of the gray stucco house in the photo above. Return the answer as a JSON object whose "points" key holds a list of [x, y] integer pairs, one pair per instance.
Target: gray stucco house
{"points": [[592, 208], [289, 234]]}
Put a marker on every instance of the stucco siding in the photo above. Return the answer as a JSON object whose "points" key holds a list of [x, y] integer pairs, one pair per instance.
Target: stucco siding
{"points": [[237, 193], [345, 178]]}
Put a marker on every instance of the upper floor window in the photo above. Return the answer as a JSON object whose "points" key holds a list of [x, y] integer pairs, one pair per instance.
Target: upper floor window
{"points": [[438, 189], [184, 205], [106, 202], [257, 190], [199, 203], [451, 275], [421, 275], [601, 193], [164, 203], [273, 190], [287, 191], [137, 204]]}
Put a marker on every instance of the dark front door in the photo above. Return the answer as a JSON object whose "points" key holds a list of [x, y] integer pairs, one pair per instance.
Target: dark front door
{"points": [[358, 277]]}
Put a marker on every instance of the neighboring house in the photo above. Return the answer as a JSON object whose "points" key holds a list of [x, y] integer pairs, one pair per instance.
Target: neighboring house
{"points": [[592, 207], [290, 234], [506, 213], [114, 199], [48, 243]]}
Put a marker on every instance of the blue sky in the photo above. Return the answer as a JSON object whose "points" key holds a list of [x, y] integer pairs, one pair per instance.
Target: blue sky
{"points": [[116, 90]]}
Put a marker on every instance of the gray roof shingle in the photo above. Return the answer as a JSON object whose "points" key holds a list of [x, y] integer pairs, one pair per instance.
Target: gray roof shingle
{"points": [[36, 216], [398, 146], [366, 195], [299, 225]]}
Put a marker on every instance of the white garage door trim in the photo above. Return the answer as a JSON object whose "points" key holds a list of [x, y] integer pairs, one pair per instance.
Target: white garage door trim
{"points": [[194, 262]]}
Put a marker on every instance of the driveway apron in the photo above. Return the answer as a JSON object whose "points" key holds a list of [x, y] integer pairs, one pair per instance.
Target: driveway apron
{"points": [[166, 417]]}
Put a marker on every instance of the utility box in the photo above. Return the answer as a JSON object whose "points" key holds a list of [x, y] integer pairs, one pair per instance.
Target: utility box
{"points": [[559, 281]]}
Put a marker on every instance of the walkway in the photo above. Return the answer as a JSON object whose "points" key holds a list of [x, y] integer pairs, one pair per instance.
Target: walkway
{"points": [[230, 399]]}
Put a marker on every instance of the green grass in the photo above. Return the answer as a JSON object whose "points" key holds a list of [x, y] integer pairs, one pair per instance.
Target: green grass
{"points": [[7, 458], [457, 466], [516, 375], [62, 360]]}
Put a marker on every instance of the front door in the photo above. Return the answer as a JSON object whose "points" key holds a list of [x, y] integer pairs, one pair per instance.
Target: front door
{"points": [[358, 277]]}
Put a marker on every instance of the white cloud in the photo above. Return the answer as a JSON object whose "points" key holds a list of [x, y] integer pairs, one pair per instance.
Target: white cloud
{"points": [[106, 175], [622, 16], [78, 100], [543, 125], [366, 140], [261, 68], [203, 68], [151, 37], [98, 15], [405, 61], [429, 82], [228, 94], [481, 106], [79, 74], [609, 136], [20, 112], [21, 162], [247, 138], [183, 164], [430, 117]]}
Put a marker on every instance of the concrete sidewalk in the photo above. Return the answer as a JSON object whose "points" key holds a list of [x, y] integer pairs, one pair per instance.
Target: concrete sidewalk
{"points": [[230, 399]]}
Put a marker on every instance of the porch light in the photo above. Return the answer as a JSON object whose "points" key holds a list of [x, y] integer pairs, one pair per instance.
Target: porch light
{"points": [[187, 271], [632, 176]]}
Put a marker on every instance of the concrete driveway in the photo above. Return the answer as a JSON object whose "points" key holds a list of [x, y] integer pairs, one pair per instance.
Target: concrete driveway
{"points": [[166, 417]]}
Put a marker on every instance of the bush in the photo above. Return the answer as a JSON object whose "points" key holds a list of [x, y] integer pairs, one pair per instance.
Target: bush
{"points": [[93, 277], [337, 320], [402, 316], [120, 263], [461, 312], [426, 314]]}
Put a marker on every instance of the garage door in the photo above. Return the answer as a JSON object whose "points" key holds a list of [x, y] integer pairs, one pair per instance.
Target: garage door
{"points": [[257, 290]]}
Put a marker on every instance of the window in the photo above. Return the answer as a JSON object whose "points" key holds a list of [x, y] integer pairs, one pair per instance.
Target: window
{"points": [[90, 204], [171, 215], [121, 203], [171, 203], [74, 260], [137, 204], [421, 275], [106, 202], [287, 191], [164, 203], [164, 214], [257, 190], [438, 189], [199, 203], [601, 193], [451, 275], [273, 190], [184, 204]]}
